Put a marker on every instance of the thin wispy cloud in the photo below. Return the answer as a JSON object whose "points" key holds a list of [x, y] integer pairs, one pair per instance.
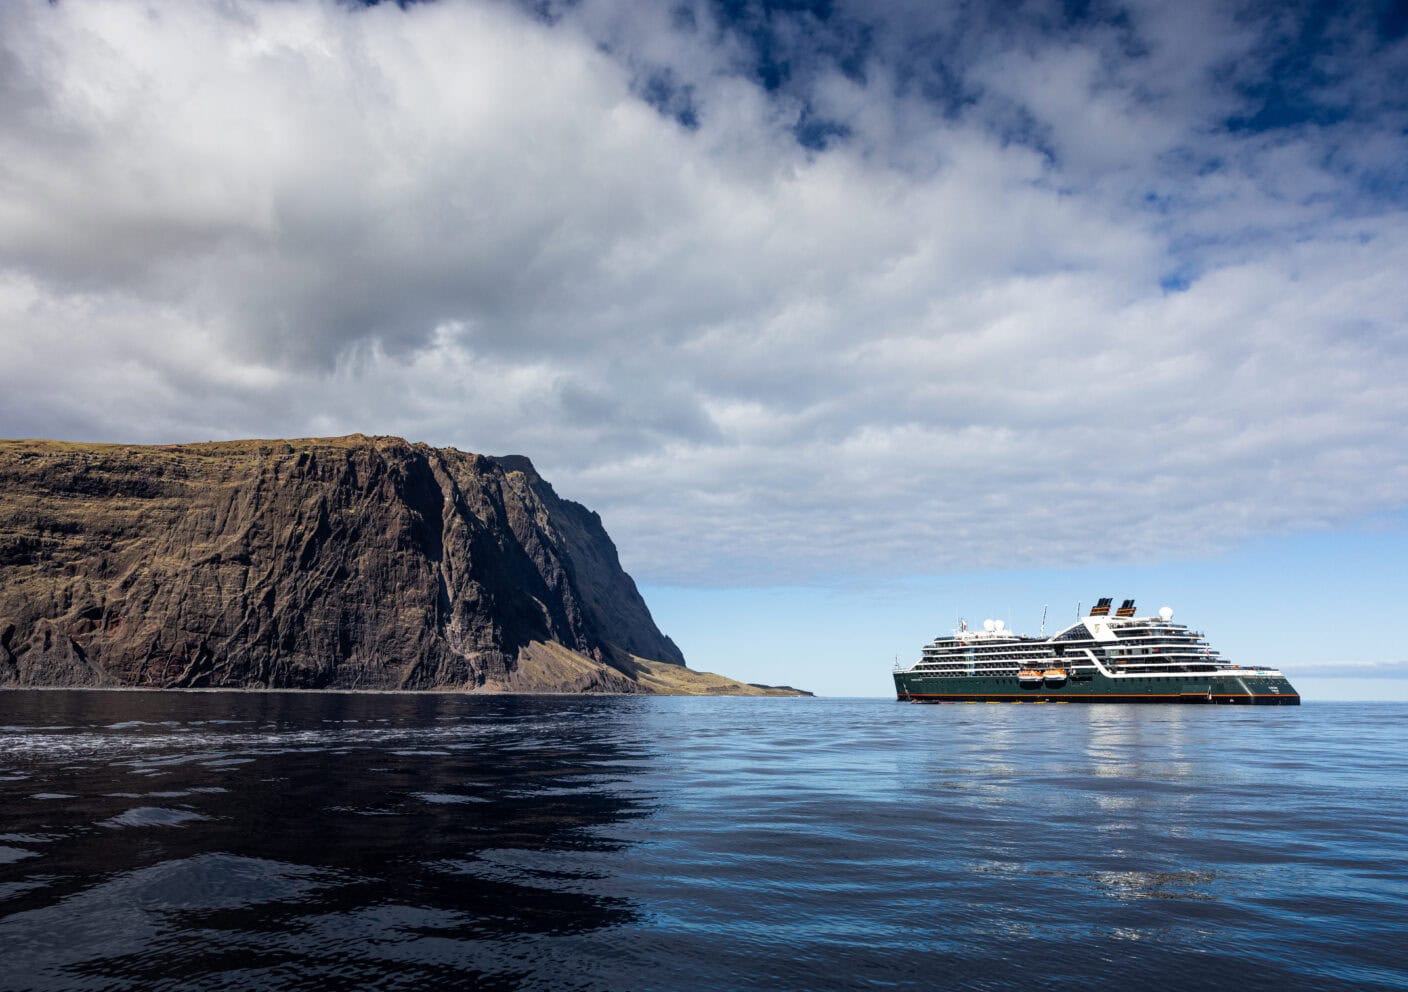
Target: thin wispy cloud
{"points": [[1352, 669], [783, 293]]}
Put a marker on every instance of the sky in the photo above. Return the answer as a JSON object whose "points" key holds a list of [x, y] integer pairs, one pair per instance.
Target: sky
{"points": [[849, 318]]}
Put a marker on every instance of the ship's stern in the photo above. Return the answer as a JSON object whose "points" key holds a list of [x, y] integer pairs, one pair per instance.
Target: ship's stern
{"points": [[1263, 688], [1282, 692]]}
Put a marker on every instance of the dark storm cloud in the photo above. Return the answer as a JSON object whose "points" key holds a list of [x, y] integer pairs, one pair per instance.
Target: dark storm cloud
{"points": [[783, 290]]}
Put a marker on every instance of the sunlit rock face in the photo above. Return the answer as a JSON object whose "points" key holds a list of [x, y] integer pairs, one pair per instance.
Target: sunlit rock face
{"points": [[354, 563]]}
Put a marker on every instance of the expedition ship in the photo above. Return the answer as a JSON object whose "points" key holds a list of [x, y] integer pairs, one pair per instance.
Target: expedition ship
{"points": [[1101, 658]]}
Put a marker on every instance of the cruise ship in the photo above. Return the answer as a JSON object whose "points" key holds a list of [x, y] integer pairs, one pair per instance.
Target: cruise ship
{"points": [[1109, 656]]}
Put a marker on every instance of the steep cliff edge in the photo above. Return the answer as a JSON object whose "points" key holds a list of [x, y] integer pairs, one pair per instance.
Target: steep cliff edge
{"points": [[352, 563]]}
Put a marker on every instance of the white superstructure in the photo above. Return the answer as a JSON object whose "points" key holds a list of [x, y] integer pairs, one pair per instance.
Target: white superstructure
{"points": [[1117, 646]]}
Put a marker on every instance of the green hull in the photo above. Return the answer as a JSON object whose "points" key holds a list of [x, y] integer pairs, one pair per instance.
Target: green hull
{"points": [[1259, 690]]}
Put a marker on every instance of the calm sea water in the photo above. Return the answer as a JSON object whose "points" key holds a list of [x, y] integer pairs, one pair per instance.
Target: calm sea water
{"points": [[280, 841]]}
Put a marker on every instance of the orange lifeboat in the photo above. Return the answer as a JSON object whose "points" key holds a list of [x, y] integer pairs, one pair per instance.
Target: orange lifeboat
{"points": [[1030, 676], [1054, 676]]}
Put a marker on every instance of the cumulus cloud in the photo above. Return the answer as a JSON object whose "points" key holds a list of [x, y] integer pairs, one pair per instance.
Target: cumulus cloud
{"points": [[782, 294]]}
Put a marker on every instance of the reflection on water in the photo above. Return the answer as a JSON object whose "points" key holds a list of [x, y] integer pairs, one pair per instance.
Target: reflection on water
{"points": [[271, 840], [327, 835]]}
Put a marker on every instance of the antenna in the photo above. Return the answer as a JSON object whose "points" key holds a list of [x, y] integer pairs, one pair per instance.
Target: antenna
{"points": [[1043, 621], [1077, 611]]}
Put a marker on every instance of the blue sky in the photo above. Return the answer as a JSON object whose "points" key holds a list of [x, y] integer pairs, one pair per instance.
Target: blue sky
{"points": [[878, 314], [1319, 606]]}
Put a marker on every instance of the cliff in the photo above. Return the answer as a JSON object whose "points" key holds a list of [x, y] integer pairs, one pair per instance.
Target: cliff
{"points": [[352, 563]]}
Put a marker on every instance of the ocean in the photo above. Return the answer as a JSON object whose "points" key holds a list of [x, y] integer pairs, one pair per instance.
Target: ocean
{"points": [[321, 841]]}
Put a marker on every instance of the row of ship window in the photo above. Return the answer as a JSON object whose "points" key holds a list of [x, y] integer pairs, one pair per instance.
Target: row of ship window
{"points": [[990, 658], [1163, 679]]}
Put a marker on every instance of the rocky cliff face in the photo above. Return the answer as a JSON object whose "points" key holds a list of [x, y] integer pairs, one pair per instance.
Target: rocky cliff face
{"points": [[350, 563]]}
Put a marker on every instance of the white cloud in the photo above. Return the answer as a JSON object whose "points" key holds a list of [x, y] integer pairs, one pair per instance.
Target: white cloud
{"points": [[1352, 669], [930, 345]]}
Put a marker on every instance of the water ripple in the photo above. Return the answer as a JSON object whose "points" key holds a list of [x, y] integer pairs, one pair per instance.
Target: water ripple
{"points": [[272, 841]]}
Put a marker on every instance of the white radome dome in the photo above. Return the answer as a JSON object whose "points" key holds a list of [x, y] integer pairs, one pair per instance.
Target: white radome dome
{"points": [[1165, 613], [989, 625], [998, 625]]}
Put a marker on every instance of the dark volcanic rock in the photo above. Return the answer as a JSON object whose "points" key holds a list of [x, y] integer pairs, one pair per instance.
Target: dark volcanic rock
{"points": [[335, 563]]}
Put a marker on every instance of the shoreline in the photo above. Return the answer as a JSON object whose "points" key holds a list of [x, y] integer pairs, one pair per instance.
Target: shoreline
{"points": [[251, 690]]}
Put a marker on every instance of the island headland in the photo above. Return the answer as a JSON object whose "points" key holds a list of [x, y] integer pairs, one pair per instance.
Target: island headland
{"points": [[326, 563]]}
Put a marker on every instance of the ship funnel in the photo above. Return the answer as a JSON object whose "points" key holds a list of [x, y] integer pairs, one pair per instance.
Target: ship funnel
{"points": [[1102, 608], [1126, 609]]}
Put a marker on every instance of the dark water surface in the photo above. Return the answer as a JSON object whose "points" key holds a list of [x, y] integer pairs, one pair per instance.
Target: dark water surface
{"points": [[280, 841]]}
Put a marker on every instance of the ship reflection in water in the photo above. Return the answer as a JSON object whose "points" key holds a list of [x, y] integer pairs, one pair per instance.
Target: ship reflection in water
{"points": [[280, 841]]}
